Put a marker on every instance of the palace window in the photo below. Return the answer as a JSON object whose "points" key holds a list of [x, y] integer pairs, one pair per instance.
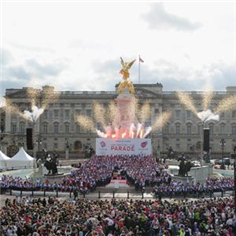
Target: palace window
{"points": [[77, 112], [45, 114], [188, 114], [56, 113], [177, 128], [89, 113], [222, 115], [77, 129], [22, 127], [13, 128], [222, 128], [45, 128], [177, 113], [167, 129], [189, 129], [56, 128], [234, 114], [199, 129], [234, 129], [211, 127], [67, 114], [67, 128]]}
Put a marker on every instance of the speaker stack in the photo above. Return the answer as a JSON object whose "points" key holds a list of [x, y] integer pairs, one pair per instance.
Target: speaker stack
{"points": [[29, 139], [206, 140]]}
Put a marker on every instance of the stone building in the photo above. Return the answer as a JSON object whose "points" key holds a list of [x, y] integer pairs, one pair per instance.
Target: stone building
{"points": [[56, 129], [2, 128]]}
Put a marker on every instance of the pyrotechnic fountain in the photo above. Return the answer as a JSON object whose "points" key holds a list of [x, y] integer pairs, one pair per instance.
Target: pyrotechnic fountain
{"points": [[227, 104], [124, 119], [47, 95], [206, 114]]}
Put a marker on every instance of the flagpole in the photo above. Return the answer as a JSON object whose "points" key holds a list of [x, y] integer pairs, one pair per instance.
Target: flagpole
{"points": [[139, 69]]}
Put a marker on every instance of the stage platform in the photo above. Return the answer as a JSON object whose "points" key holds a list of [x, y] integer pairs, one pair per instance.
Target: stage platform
{"points": [[118, 183]]}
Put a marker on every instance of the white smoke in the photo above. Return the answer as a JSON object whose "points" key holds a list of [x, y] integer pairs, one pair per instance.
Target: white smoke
{"points": [[100, 134], [207, 115], [35, 114], [139, 126], [148, 130]]}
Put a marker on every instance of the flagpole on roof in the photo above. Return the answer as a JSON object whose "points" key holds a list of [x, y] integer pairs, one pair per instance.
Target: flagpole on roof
{"points": [[139, 69], [139, 60]]}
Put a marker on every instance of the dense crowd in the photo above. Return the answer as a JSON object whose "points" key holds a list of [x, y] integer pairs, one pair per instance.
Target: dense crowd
{"points": [[211, 186], [140, 171], [28, 216]]}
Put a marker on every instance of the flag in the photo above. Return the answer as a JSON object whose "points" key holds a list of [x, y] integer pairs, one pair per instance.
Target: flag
{"points": [[140, 59]]}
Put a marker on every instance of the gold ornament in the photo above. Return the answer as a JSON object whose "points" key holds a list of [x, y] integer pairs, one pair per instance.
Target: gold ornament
{"points": [[125, 72]]}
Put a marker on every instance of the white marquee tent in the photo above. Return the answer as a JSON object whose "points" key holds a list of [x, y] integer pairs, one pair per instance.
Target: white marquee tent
{"points": [[3, 161], [21, 160]]}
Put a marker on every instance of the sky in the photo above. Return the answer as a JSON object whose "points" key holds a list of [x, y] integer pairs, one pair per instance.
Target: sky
{"points": [[77, 45]]}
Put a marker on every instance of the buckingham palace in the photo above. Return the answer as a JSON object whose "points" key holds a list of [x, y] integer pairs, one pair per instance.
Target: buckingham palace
{"points": [[57, 129]]}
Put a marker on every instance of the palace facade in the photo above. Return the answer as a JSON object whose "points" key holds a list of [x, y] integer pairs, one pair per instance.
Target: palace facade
{"points": [[57, 130]]}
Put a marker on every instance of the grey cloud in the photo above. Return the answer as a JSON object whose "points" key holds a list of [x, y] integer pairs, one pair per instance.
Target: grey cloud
{"points": [[159, 18], [227, 77], [108, 72], [16, 72], [169, 74], [17, 76], [12, 84], [31, 69], [42, 70], [32, 48], [176, 78], [6, 56], [110, 66]]}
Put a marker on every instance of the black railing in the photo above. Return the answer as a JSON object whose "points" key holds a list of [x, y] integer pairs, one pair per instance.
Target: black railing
{"points": [[115, 194]]}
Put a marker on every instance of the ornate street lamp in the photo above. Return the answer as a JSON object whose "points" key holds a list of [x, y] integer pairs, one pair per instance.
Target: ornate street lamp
{"points": [[222, 144], [234, 178], [38, 142], [67, 148]]}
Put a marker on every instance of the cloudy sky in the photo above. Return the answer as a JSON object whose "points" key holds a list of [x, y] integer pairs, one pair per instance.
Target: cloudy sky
{"points": [[77, 45]]}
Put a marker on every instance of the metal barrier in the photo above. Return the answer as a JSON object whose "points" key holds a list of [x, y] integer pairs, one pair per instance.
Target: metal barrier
{"points": [[115, 194]]}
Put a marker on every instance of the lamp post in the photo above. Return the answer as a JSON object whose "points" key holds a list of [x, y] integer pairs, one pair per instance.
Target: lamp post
{"points": [[1, 139], [21, 144], [38, 142], [222, 144], [158, 152], [158, 148], [234, 178], [67, 149]]}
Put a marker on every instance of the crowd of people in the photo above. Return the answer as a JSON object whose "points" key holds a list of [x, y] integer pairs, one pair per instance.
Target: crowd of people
{"points": [[140, 172], [174, 189], [41, 217], [48, 217]]}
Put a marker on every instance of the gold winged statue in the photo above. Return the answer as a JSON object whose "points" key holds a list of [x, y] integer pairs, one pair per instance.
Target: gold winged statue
{"points": [[125, 72]]}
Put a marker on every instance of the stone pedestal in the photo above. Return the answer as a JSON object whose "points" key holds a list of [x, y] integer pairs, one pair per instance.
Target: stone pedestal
{"points": [[125, 110], [67, 153], [42, 170], [197, 174], [184, 179], [125, 116]]}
